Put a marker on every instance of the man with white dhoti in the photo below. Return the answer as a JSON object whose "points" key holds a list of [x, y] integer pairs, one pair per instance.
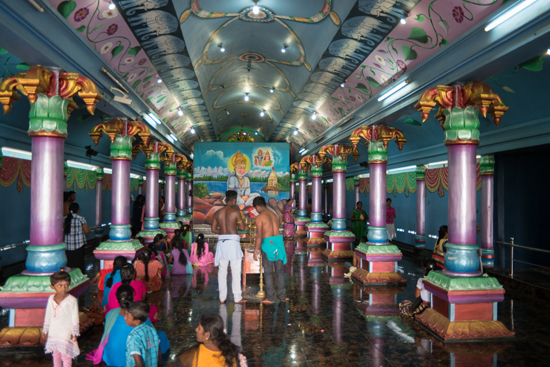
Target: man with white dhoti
{"points": [[228, 251]]}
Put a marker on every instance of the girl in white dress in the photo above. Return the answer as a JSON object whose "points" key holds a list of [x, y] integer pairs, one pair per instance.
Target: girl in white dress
{"points": [[61, 324]]}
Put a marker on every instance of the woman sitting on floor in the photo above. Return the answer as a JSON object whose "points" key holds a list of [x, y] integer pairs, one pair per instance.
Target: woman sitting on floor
{"points": [[214, 349], [116, 332], [200, 254], [111, 279], [161, 251], [149, 271], [180, 258], [439, 249]]}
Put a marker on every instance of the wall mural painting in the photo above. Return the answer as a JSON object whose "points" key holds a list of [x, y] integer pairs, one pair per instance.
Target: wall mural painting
{"points": [[431, 25], [251, 169], [367, 25], [108, 33]]}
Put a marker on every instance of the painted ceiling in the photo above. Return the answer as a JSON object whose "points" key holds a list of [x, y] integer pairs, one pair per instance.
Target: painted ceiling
{"points": [[359, 43]]}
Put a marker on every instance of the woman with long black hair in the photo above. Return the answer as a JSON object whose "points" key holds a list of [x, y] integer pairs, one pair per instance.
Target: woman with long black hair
{"points": [[215, 348], [75, 230], [200, 254], [180, 259]]}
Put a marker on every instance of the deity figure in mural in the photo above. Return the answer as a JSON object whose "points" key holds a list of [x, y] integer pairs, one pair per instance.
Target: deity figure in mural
{"points": [[259, 158], [267, 160], [239, 164]]}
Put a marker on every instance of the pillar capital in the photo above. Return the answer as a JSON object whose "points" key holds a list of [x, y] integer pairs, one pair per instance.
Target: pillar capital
{"points": [[356, 180], [487, 164], [381, 133], [153, 161], [461, 125], [316, 171], [140, 181], [48, 116], [378, 153], [189, 176], [293, 177], [170, 168], [121, 148], [182, 175], [100, 174], [421, 172], [120, 126]]}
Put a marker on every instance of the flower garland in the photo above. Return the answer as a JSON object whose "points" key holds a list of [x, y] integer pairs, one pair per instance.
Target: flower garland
{"points": [[14, 169]]}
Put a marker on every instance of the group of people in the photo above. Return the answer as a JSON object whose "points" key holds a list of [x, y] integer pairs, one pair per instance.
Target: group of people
{"points": [[129, 328], [226, 223]]}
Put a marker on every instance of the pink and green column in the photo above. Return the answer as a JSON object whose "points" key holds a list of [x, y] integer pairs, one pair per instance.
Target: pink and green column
{"points": [[377, 259], [152, 168], [316, 228], [50, 92], [339, 239], [182, 214], [169, 225], [121, 132], [464, 303], [302, 219]]}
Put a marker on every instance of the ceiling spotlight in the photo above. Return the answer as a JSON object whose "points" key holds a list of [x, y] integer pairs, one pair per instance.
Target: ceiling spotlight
{"points": [[342, 85], [272, 89], [174, 137], [548, 51], [222, 49], [302, 150], [112, 6], [244, 132], [226, 111], [295, 132], [403, 21], [246, 98], [314, 116], [192, 130], [180, 112], [255, 133], [256, 9], [159, 80], [262, 113], [283, 50]]}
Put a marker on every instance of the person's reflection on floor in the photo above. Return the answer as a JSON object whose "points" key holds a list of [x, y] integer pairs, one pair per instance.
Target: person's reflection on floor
{"points": [[275, 325], [235, 323]]}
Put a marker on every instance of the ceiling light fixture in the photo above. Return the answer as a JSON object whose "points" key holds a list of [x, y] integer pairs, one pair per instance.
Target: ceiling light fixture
{"points": [[222, 49], [283, 50], [295, 132], [192, 130], [548, 51], [262, 113], [272, 89], [508, 14], [226, 111], [180, 112], [314, 116], [302, 150], [256, 9], [244, 132], [154, 118], [112, 6], [403, 21], [246, 97], [174, 137], [159, 80], [393, 90], [255, 133], [342, 85]]}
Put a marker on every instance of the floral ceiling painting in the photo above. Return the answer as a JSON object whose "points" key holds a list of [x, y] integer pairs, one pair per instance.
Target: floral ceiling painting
{"points": [[108, 33], [431, 25]]}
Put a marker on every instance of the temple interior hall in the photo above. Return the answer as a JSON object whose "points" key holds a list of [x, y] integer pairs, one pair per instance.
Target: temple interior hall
{"points": [[383, 158]]}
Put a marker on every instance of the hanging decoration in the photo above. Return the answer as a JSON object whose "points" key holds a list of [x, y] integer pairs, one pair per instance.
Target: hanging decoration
{"points": [[14, 169], [437, 180]]}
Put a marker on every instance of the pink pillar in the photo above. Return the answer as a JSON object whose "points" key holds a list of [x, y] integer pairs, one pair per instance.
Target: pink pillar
{"points": [[461, 258], [326, 198], [140, 189], [170, 198], [189, 197], [377, 197], [293, 189], [120, 197], [98, 201], [152, 196], [302, 218], [488, 254], [356, 192]]}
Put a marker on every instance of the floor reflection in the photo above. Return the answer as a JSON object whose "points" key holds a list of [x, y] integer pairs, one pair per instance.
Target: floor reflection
{"points": [[329, 321]]}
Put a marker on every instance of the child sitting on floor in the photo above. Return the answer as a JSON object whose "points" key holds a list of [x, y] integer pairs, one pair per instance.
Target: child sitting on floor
{"points": [[200, 254], [149, 271], [112, 278], [143, 344], [180, 258], [61, 323], [410, 309]]}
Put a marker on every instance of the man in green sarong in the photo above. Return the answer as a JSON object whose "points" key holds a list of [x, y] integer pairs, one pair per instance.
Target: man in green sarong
{"points": [[359, 220]]}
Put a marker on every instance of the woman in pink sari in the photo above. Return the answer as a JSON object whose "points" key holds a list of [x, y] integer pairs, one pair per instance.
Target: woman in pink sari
{"points": [[200, 254]]}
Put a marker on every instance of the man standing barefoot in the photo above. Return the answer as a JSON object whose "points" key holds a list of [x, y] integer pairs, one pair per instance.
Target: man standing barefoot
{"points": [[273, 250], [225, 223]]}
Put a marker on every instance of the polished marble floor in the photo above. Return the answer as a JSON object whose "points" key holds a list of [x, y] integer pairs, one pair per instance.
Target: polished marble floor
{"points": [[327, 322]]}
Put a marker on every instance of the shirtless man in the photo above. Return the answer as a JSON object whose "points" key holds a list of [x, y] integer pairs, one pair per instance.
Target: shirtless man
{"points": [[270, 239], [228, 251]]}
